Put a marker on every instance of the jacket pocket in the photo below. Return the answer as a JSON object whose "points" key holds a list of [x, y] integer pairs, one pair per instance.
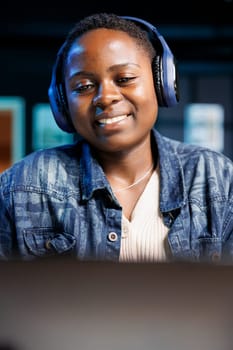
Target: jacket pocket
{"points": [[47, 242], [209, 249]]}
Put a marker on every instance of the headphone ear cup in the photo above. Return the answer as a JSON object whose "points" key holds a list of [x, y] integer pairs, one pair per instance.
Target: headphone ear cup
{"points": [[167, 75], [157, 79], [165, 80], [57, 97]]}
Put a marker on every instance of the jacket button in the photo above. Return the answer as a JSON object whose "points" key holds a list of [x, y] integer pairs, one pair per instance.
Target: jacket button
{"points": [[112, 236], [48, 244]]}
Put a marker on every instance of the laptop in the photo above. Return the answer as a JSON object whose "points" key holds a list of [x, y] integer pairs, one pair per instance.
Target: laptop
{"points": [[67, 305]]}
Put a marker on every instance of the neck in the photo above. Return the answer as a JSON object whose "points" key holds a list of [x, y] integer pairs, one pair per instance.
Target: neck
{"points": [[145, 176], [127, 162]]}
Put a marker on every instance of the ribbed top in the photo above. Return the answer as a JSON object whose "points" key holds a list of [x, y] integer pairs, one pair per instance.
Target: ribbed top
{"points": [[144, 237]]}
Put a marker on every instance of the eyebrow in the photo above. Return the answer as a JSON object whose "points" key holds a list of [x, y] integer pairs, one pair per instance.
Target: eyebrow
{"points": [[79, 73], [122, 65]]}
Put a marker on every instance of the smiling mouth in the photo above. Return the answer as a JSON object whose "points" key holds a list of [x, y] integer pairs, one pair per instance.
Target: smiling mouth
{"points": [[117, 119]]}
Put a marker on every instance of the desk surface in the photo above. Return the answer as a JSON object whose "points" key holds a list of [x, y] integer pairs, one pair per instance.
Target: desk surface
{"points": [[66, 305]]}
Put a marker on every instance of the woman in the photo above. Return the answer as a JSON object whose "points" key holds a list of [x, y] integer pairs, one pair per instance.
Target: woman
{"points": [[122, 192]]}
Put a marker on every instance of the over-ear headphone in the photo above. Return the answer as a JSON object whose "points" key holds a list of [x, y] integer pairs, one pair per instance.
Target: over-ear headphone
{"points": [[163, 67]]}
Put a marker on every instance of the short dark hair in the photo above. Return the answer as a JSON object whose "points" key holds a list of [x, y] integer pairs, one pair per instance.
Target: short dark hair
{"points": [[109, 21]]}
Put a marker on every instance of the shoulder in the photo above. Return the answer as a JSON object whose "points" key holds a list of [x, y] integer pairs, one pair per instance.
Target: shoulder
{"points": [[40, 166], [190, 153], [194, 164], [205, 158]]}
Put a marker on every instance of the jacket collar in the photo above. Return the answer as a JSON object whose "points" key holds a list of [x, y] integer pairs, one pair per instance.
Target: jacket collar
{"points": [[92, 176], [172, 188]]}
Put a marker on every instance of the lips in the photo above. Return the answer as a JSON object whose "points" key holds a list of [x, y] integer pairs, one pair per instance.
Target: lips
{"points": [[104, 121]]}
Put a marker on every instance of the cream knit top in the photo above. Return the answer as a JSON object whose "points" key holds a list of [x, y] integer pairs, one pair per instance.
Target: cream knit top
{"points": [[144, 237]]}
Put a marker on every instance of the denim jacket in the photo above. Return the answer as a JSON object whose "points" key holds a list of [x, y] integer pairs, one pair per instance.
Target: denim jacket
{"points": [[58, 201]]}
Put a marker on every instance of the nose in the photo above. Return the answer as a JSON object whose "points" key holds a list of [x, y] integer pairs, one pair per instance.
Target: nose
{"points": [[106, 94]]}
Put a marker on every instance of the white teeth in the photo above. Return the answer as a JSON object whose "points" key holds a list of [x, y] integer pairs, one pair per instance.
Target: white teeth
{"points": [[112, 120]]}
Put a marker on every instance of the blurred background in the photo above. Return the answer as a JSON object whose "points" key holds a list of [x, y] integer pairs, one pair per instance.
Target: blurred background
{"points": [[199, 33]]}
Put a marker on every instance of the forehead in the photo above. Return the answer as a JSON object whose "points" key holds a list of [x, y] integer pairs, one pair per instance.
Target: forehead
{"points": [[102, 39]]}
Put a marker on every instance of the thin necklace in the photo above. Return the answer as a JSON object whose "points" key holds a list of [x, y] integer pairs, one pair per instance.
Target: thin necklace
{"points": [[136, 182]]}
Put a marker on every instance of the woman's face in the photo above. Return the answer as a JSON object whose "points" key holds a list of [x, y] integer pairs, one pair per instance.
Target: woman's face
{"points": [[110, 90]]}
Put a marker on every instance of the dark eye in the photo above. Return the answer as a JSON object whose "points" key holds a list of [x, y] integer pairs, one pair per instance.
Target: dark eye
{"points": [[81, 88], [125, 80]]}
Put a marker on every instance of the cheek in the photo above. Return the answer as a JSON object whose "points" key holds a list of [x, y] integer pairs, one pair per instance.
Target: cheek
{"points": [[147, 107], [145, 98], [77, 109], [146, 88], [77, 118], [76, 106]]}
